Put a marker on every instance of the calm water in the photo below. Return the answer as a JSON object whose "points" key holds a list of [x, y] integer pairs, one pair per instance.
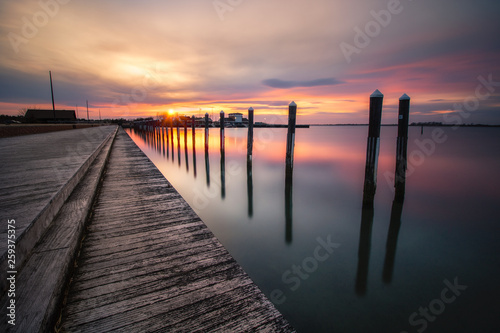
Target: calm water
{"points": [[430, 264]]}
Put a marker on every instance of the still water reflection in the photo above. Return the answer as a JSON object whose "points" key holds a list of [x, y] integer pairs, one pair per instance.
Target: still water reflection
{"points": [[330, 263]]}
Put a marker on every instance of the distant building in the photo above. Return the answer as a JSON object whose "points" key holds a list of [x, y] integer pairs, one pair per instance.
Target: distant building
{"points": [[236, 117], [48, 115]]}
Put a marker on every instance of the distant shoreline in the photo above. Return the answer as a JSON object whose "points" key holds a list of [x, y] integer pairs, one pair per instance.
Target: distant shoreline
{"points": [[414, 125]]}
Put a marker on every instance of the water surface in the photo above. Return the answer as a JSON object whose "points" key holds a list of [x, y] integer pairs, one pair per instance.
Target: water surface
{"points": [[427, 264]]}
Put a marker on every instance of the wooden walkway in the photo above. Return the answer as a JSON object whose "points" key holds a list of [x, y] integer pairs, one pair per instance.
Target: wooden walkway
{"points": [[37, 174], [149, 264]]}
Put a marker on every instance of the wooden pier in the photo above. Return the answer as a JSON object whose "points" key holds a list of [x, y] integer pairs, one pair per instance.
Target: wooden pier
{"points": [[146, 263]]}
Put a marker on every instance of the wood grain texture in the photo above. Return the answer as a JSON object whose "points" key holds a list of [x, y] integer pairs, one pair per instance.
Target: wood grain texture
{"points": [[149, 264]]}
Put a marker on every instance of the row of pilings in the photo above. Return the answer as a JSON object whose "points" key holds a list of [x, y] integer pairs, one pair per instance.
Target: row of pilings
{"points": [[370, 186], [164, 132]]}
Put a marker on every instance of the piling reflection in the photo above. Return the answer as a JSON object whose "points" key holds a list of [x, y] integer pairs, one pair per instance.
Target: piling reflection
{"points": [[399, 187], [250, 186], [207, 168], [193, 139], [365, 237], [289, 203], [392, 235], [172, 141], [186, 146], [178, 145]]}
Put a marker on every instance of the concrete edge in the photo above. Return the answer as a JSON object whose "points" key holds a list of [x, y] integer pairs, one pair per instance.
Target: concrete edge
{"points": [[26, 241], [48, 313], [56, 303]]}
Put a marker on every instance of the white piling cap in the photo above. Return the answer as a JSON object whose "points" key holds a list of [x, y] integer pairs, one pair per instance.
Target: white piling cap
{"points": [[405, 97], [377, 93], [221, 111], [293, 104], [251, 109]]}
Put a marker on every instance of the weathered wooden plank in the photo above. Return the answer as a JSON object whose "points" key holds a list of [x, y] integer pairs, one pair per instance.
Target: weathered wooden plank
{"points": [[41, 282], [149, 263]]}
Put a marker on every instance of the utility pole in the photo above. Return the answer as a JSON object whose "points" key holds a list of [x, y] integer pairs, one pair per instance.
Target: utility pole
{"points": [[52, 93]]}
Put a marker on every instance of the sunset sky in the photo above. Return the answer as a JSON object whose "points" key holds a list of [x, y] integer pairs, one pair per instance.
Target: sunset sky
{"points": [[141, 58]]}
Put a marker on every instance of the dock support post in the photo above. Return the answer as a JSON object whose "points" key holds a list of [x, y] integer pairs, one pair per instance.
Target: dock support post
{"points": [[206, 132], [249, 163], [222, 157], [250, 134], [222, 137], [372, 149], [402, 147], [193, 136], [172, 138], [207, 159], [178, 143], [186, 144], [290, 144], [290, 138]]}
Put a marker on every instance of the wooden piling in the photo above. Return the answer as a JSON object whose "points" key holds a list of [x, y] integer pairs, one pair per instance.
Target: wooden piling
{"points": [[207, 158], [250, 134], [186, 145], [222, 157], [223, 174], [222, 136], [206, 133], [172, 139], [193, 141], [178, 143], [290, 139], [402, 147], [250, 163], [372, 149], [167, 143]]}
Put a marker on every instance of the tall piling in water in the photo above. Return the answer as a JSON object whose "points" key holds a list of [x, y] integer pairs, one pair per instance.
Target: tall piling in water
{"points": [[250, 134], [290, 144], [402, 147], [372, 149], [206, 133], [193, 141], [290, 137], [222, 134], [222, 157], [207, 159], [186, 144], [250, 163]]}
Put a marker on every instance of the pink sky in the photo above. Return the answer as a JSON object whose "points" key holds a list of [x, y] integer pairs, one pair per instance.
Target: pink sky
{"points": [[134, 59]]}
